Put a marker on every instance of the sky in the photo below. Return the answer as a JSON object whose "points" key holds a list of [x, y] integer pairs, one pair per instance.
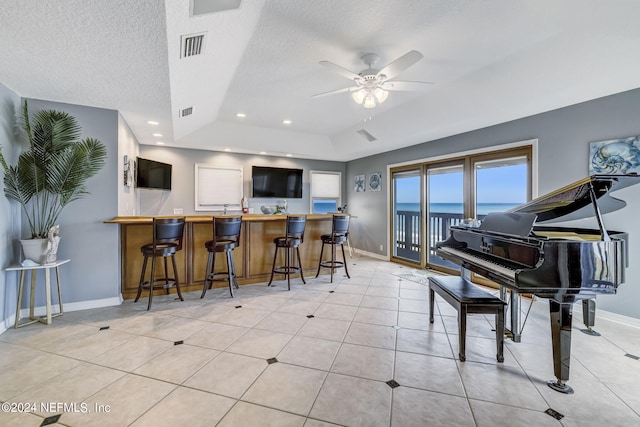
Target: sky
{"points": [[495, 185]]}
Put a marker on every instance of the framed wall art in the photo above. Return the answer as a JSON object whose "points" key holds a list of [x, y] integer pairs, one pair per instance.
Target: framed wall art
{"points": [[375, 181], [359, 183], [615, 156]]}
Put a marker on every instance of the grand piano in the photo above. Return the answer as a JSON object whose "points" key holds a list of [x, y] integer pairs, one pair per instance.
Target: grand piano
{"points": [[561, 264]]}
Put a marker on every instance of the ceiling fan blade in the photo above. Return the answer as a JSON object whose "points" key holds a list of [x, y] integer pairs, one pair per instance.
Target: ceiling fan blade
{"points": [[401, 64], [403, 85], [342, 71], [332, 92]]}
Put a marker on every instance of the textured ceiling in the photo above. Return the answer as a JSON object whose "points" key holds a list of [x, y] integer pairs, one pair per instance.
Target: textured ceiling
{"points": [[491, 61]]}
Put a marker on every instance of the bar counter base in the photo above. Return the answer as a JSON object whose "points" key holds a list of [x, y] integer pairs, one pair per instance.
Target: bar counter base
{"points": [[253, 258]]}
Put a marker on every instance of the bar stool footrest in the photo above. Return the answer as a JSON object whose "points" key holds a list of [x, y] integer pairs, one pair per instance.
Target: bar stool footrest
{"points": [[157, 285], [212, 278], [329, 264], [286, 270]]}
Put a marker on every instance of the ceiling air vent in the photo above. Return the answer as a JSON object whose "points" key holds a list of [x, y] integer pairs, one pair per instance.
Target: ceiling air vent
{"points": [[367, 135], [192, 45], [186, 112]]}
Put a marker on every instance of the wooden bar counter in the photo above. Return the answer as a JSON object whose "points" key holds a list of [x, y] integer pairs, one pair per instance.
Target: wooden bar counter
{"points": [[253, 258]]}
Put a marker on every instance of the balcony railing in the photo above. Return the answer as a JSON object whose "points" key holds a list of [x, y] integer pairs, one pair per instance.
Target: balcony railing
{"points": [[407, 232]]}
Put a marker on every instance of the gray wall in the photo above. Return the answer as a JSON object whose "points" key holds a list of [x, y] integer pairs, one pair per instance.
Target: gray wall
{"points": [[9, 211], [92, 246], [182, 194], [563, 142]]}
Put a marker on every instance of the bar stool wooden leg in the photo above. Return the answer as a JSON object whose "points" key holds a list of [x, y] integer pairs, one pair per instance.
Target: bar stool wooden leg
{"points": [[177, 280], [333, 260], [233, 268], [229, 271], [141, 284], [300, 265], [207, 274], [153, 280], [273, 267], [287, 266], [320, 262], [346, 270], [166, 275]]}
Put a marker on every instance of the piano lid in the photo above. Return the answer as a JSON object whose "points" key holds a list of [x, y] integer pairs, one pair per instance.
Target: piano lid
{"points": [[574, 201]]}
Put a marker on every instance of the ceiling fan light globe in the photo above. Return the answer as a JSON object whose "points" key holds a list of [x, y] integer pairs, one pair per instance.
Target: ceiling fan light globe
{"points": [[369, 101], [381, 95], [359, 95]]}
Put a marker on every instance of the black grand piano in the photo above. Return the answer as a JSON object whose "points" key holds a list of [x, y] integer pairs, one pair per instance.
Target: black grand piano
{"points": [[562, 264]]}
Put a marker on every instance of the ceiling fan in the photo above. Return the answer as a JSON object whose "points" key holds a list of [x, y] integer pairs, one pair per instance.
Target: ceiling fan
{"points": [[372, 84]]}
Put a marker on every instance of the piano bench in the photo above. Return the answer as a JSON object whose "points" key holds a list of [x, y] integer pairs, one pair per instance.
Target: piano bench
{"points": [[466, 297]]}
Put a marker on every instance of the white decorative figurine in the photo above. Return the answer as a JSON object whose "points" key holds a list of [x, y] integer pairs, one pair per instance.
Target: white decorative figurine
{"points": [[52, 244]]}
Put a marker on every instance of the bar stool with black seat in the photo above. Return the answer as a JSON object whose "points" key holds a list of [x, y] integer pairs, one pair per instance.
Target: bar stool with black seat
{"points": [[167, 241], [226, 237], [293, 238], [339, 235]]}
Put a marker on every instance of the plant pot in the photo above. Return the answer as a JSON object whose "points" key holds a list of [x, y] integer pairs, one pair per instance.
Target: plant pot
{"points": [[35, 249]]}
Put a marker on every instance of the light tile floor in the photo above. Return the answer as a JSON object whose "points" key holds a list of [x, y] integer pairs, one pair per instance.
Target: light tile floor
{"points": [[318, 355]]}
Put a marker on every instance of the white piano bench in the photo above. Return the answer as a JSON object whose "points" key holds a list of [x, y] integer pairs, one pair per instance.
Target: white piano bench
{"points": [[466, 297]]}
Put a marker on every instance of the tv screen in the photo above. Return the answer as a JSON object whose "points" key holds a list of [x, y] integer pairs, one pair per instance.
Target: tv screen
{"points": [[152, 174], [276, 182]]}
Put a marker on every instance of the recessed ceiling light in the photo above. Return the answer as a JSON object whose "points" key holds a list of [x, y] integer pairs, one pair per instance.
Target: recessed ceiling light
{"points": [[241, 115], [289, 155], [159, 143], [227, 149], [263, 152], [157, 135], [286, 122], [151, 122]]}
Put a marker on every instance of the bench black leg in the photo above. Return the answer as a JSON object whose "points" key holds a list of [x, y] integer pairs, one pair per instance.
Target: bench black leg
{"points": [[500, 335], [431, 298], [462, 331]]}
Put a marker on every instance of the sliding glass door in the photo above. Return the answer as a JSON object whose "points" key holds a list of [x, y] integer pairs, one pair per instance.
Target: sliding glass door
{"points": [[445, 205], [406, 219], [428, 198], [470, 188]]}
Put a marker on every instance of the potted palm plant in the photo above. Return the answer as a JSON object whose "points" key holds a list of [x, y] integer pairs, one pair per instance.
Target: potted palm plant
{"points": [[51, 172]]}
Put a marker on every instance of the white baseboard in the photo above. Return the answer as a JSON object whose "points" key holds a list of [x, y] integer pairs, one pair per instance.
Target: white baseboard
{"points": [[68, 307], [607, 315], [371, 254]]}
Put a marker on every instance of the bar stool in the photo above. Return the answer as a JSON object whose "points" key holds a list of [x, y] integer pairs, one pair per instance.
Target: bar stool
{"points": [[293, 238], [339, 235], [226, 237], [167, 241]]}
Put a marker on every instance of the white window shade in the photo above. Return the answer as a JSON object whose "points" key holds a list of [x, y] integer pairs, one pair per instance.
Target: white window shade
{"points": [[325, 184], [217, 186]]}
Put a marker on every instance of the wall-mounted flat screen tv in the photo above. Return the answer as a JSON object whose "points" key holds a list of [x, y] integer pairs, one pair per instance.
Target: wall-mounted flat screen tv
{"points": [[152, 174], [276, 182]]}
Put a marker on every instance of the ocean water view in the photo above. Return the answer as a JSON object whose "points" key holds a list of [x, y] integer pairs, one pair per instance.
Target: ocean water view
{"points": [[483, 208]]}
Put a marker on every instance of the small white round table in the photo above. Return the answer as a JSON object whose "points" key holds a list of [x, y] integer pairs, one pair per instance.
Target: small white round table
{"points": [[47, 275]]}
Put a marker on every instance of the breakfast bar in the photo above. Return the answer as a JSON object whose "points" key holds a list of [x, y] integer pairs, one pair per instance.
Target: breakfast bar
{"points": [[253, 258]]}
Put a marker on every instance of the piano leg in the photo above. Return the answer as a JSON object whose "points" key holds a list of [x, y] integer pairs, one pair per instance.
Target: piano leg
{"points": [[514, 308], [561, 315], [589, 316]]}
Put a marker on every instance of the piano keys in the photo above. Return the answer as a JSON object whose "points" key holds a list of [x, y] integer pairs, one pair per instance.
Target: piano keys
{"points": [[561, 264]]}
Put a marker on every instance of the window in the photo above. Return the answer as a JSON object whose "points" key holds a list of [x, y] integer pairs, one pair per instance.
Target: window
{"points": [[427, 198], [210, 195], [326, 191]]}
